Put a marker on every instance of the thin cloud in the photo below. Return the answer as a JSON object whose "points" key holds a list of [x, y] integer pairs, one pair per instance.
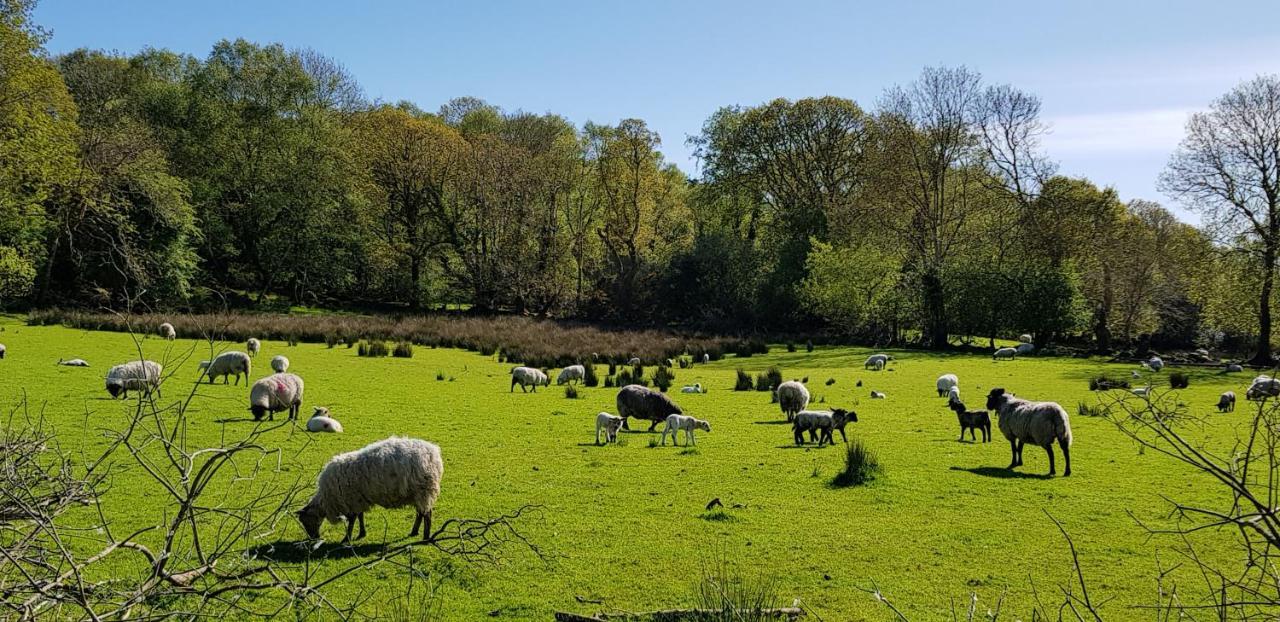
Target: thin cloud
{"points": [[1114, 133]]}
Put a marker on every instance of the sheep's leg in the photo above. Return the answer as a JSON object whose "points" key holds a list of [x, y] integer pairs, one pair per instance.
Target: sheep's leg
{"points": [[1066, 456], [417, 522], [624, 424], [1021, 445], [597, 435], [799, 436], [842, 437], [351, 522], [426, 525], [1013, 448], [360, 516], [664, 435], [1049, 450]]}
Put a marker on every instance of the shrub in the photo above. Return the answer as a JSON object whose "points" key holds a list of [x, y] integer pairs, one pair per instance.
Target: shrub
{"points": [[570, 392], [613, 368], [683, 362], [743, 383], [375, 348], [762, 382], [590, 378], [608, 382], [1104, 383], [772, 378], [663, 378], [1096, 410], [292, 340], [331, 339], [791, 347], [860, 465], [1179, 380], [637, 371], [808, 346], [831, 381], [404, 350]]}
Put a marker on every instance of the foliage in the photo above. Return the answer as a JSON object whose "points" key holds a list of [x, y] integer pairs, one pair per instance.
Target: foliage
{"points": [[590, 378], [403, 350], [1106, 383], [860, 465], [1179, 380], [663, 378], [743, 381], [373, 348]]}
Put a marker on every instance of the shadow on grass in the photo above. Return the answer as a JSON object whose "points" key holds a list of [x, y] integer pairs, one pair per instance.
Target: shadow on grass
{"points": [[805, 446], [294, 552], [772, 422], [1001, 473]]}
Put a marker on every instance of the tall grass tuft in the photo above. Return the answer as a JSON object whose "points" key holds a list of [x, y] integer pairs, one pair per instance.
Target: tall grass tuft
{"points": [[403, 350], [590, 378], [1095, 410], [808, 346], [1104, 383], [743, 383], [1179, 380], [375, 348], [724, 594], [860, 465], [570, 392], [663, 378]]}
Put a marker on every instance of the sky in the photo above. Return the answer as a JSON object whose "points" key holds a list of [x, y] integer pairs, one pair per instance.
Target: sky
{"points": [[1117, 79]]}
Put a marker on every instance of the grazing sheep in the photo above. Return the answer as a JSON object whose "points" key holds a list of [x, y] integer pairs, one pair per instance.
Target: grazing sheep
{"points": [[391, 473], [610, 424], [945, 382], [972, 420], [280, 363], [320, 421], [231, 363], [167, 331], [570, 374], [633, 362], [2, 350], [953, 395], [134, 376], [253, 345], [678, 423], [876, 395], [276, 393], [1024, 348], [1038, 423], [644, 403], [1024, 338], [792, 398], [528, 377], [1155, 363], [876, 361], [74, 363], [693, 388], [1004, 353], [1262, 388], [1232, 368], [1227, 402], [820, 424], [706, 358]]}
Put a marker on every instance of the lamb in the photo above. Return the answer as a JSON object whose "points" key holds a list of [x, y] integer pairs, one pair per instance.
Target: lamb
{"points": [[820, 424], [1025, 348], [227, 364], [677, 423], [2, 350], [391, 473], [1025, 338], [167, 331], [945, 382], [953, 395], [876, 395], [671, 363], [528, 377], [972, 420], [570, 374], [320, 421], [280, 363], [1262, 388], [1142, 391], [1039, 423], [1227, 402], [792, 398], [253, 345], [610, 424], [633, 362], [74, 362], [134, 376], [275, 393], [1155, 363], [876, 361], [1004, 353], [693, 388], [644, 403]]}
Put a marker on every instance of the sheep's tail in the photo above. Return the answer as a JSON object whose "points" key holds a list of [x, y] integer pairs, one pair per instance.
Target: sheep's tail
{"points": [[1062, 428]]}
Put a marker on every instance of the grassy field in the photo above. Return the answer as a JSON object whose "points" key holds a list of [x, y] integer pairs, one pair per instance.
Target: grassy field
{"points": [[626, 525]]}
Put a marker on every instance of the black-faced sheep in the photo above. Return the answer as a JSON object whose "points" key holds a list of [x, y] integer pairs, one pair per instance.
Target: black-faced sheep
{"points": [[876, 361], [228, 364], [276, 393], [1038, 423], [792, 398], [141, 376], [644, 403], [1227, 402], [820, 424], [528, 377], [686, 424], [972, 420]]}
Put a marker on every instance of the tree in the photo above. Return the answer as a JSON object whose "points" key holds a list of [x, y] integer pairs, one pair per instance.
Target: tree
{"points": [[1227, 168]]}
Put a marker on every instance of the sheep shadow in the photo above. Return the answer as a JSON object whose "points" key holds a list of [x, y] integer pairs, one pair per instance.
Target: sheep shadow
{"points": [[805, 446], [772, 422], [298, 551], [1001, 473]]}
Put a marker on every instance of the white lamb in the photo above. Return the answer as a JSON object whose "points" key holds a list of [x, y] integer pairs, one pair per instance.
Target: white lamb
{"points": [[253, 345], [953, 395], [528, 377], [167, 331], [570, 374], [280, 363], [276, 393], [946, 382], [227, 364], [793, 397], [320, 421], [391, 473], [610, 425], [1024, 338], [633, 362], [677, 423], [2, 350], [74, 362], [706, 358], [693, 388], [1004, 353], [141, 376]]}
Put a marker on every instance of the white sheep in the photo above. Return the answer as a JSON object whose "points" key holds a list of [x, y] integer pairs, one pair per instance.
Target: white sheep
{"points": [[74, 362], [391, 473], [571, 373], [1262, 388], [280, 363], [320, 421], [167, 331], [692, 388], [876, 361], [610, 425], [1038, 423], [1004, 353], [633, 362], [141, 376], [2, 350], [230, 363], [706, 358], [876, 395], [793, 397], [528, 377], [677, 423], [945, 382], [1155, 363], [253, 345], [1024, 338], [1142, 391], [953, 395], [1024, 348], [276, 393], [1227, 402]]}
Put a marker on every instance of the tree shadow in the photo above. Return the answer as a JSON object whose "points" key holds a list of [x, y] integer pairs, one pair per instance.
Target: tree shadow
{"points": [[298, 551], [1001, 473]]}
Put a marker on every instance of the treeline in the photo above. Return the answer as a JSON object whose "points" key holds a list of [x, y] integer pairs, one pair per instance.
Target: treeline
{"points": [[258, 175]]}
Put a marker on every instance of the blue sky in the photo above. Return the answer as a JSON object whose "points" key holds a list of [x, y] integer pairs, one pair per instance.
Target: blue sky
{"points": [[1117, 79]]}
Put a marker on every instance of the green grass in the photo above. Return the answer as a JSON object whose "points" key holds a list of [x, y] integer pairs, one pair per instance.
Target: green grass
{"points": [[626, 523]]}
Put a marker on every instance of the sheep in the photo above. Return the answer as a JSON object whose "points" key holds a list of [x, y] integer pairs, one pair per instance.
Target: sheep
{"points": [[792, 398], [1024, 338], [1004, 353], [1135, 374], [1233, 368], [610, 424], [320, 421], [876, 395], [972, 420], [706, 358], [136, 376], [1262, 388], [1155, 363], [2, 350], [953, 395], [570, 374], [633, 362], [876, 361], [391, 473], [693, 388], [945, 382], [276, 393], [253, 345], [227, 364], [1227, 402], [167, 331], [820, 424], [74, 362], [1024, 348], [1142, 391], [677, 423], [644, 403], [526, 377], [280, 363], [671, 363], [1040, 423]]}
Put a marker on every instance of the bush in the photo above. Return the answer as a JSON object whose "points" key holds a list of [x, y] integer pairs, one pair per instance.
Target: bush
{"points": [[663, 378], [684, 362], [590, 378], [404, 350], [377, 348], [748, 347], [791, 347], [331, 339], [743, 383], [860, 465], [570, 392], [769, 380], [608, 382], [613, 368], [1096, 410], [292, 340], [831, 381], [1103, 383], [439, 376], [1179, 380], [637, 371]]}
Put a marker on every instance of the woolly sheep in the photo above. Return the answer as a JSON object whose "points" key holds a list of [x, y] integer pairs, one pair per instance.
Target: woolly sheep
{"points": [[876, 361], [953, 395], [74, 362], [1039, 423], [320, 421], [644, 403], [1227, 402], [678, 423], [876, 395], [2, 350], [1233, 368], [693, 388], [1155, 363], [609, 424], [276, 393], [1024, 348], [1024, 338], [792, 398], [972, 420], [633, 362], [134, 376], [280, 363], [528, 377], [1262, 388], [391, 473], [1004, 353], [945, 382], [571, 373], [167, 331], [706, 358], [231, 363], [253, 345], [821, 423]]}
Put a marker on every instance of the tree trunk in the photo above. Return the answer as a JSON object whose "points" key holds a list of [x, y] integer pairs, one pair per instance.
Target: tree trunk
{"points": [[1102, 314], [415, 275], [935, 311], [1263, 357]]}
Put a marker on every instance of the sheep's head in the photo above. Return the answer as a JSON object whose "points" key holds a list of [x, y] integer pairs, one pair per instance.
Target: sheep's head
{"points": [[840, 417], [311, 520], [258, 411], [114, 387], [702, 425], [957, 406], [320, 411], [995, 398], [204, 365]]}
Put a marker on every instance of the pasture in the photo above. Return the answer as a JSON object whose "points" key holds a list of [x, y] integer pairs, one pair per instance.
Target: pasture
{"points": [[625, 524]]}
